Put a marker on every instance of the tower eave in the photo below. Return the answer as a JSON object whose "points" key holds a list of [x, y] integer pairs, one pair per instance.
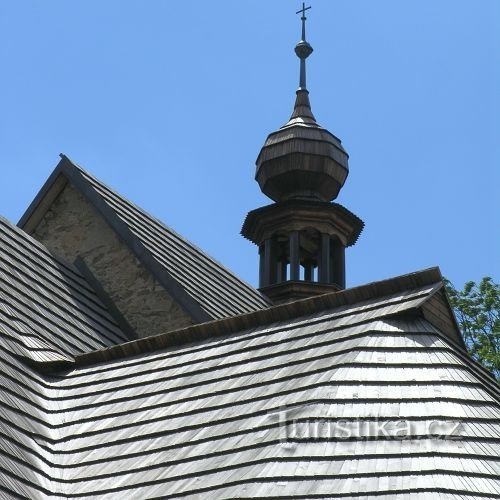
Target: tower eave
{"points": [[332, 218]]}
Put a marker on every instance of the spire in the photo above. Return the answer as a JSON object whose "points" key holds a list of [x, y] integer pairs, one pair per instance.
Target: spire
{"points": [[303, 49]]}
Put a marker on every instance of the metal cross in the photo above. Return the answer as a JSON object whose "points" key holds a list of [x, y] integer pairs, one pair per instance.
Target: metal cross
{"points": [[303, 19], [303, 10]]}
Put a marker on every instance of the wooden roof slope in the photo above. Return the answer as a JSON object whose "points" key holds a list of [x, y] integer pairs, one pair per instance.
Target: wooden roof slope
{"points": [[48, 312], [202, 286], [205, 419]]}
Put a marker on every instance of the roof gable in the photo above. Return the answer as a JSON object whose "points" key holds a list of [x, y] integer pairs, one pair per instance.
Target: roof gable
{"points": [[203, 287]]}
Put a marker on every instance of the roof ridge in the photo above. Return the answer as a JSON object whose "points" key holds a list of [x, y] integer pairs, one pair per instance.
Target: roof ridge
{"points": [[212, 329]]}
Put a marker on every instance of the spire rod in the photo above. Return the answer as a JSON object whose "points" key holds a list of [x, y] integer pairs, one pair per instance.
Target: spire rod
{"points": [[303, 49]]}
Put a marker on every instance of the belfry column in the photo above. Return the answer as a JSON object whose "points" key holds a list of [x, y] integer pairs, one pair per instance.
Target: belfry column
{"points": [[294, 241]]}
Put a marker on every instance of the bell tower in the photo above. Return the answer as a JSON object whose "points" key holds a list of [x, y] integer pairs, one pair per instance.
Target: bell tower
{"points": [[302, 236]]}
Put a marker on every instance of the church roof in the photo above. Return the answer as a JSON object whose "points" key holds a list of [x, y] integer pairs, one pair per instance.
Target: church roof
{"points": [[205, 288], [358, 394], [252, 406]]}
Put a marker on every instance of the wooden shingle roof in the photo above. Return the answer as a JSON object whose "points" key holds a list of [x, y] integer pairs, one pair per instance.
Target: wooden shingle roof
{"points": [[47, 309], [202, 286], [302, 400]]}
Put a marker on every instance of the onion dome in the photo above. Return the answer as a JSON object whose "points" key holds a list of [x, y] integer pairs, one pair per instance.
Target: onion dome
{"points": [[302, 159]]}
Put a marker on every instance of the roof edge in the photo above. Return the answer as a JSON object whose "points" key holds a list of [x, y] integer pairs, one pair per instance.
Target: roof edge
{"points": [[453, 328], [43, 200], [282, 312]]}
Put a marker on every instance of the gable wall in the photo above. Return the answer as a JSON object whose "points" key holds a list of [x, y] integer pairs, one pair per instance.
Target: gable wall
{"points": [[73, 228]]}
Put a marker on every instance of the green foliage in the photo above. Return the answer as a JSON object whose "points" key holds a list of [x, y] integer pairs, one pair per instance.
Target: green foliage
{"points": [[477, 308]]}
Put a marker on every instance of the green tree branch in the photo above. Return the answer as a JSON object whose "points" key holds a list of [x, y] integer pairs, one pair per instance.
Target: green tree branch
{"points": [[477, 308]]}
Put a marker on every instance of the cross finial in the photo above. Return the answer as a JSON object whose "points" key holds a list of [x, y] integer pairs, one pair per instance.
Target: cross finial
{"points": [[303, 19], [303, 49]]}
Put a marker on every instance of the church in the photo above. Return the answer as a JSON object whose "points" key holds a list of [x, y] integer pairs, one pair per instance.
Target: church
{"points": [[135, 366]]}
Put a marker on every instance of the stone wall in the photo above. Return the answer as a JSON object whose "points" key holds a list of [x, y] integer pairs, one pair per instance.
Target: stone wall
{"points": [[73, 228]]}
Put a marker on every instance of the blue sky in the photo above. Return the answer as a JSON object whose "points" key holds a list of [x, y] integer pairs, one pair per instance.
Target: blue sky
{"points": [[170, 103]]}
